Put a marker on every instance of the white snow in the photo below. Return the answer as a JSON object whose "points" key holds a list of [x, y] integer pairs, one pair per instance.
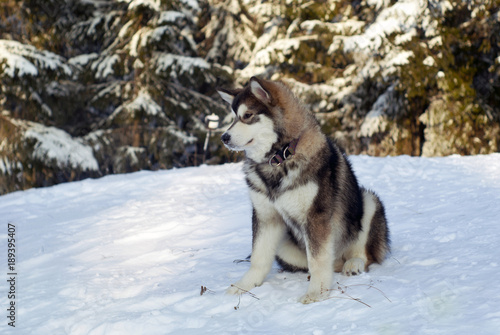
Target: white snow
{"points": [[276, 52], [184, 137], [141, 103], [177, 64], [23, 59], [151, 4], [279, 50], [147, 36], [17, 63], [133, 153], [394, 59], [6, 166], [51, 143], [376, 119], [128, 254], [144, 102], [83, 60], [170, 16], [103, 66], [398, 18], [348, 27], [156, 34], [193, 4], [401, 58], [429, 61], [134, 42]]}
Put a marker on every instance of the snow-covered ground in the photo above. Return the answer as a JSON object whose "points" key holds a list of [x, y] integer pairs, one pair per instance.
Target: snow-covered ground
{"points": [[128, 254]]}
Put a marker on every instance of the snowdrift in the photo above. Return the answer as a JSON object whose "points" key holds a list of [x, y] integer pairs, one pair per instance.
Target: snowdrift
{"points": [[129, 254]]}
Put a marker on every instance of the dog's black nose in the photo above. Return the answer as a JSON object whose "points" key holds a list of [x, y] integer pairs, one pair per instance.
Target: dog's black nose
{"points": [[226, 138]]}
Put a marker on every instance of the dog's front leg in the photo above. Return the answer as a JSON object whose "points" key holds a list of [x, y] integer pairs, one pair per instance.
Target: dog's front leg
{"points": [[268, 231], [320, 257]]}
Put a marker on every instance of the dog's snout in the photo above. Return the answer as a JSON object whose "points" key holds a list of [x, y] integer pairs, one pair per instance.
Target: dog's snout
{"points": [[226, 138]]}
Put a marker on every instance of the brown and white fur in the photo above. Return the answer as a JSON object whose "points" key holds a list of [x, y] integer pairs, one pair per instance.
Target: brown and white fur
{"points": [[309, 213]]}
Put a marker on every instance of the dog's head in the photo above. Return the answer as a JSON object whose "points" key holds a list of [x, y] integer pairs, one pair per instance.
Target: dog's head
{"points": [[255, 128]]}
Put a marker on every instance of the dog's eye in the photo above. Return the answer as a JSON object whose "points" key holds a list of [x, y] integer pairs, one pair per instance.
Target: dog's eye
{"points": [[247, 116]]}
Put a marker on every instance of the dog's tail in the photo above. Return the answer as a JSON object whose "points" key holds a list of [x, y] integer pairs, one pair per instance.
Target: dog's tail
{"points": [[378, 241], [290, 256]]}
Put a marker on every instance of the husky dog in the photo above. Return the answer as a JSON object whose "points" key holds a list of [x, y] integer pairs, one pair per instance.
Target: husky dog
{"points": [[309, 213]]}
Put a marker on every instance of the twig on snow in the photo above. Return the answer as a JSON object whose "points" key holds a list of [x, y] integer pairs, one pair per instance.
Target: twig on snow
{"points": [[239, 296]]}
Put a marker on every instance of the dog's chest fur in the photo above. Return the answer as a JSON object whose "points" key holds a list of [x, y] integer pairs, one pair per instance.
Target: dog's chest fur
{"points": [[284, 187]]}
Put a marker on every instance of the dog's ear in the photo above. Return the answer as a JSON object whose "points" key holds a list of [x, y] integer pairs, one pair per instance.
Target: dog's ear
{"points": [[227, 95], [259, 91]]}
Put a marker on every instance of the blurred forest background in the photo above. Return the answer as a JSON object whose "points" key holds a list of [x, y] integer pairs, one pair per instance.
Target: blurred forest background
{"points": [[94, 87]]}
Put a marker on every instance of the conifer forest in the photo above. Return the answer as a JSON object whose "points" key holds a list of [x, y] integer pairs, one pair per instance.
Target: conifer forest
{"points": [[96, 87]]}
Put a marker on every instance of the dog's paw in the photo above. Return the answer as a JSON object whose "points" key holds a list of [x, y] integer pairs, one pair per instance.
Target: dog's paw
{"points": [[353, 266], [237, 288], [309, 297], [233, 290]]}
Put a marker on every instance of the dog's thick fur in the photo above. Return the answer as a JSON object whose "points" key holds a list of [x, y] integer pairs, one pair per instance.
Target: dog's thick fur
{"points": [[309, 212]]}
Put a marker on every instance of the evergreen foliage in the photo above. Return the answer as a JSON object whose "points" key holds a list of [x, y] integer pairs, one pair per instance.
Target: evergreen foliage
{"points": [[92, 87]]}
